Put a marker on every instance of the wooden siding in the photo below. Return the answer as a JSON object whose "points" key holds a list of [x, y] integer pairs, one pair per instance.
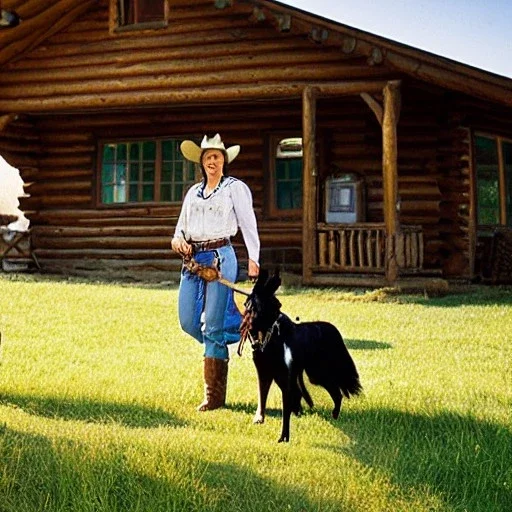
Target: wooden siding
{"points": [[86, 66]]}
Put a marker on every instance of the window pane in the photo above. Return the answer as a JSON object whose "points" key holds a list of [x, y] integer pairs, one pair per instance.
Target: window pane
{"points": [[179, 193], [151, 10], [168, 150], [133, 193], [281, 170], [134, 172], [487, 176], [165, 193], [109, 153], [284, 196], [148, 172], [120, 193], [108, 194], [295, 169], [147, 193], [507, 161], [127, 12], [140, 11], [166, 172], [134, 151], [289, 195], [149, 151], [107, 175], [191, 174], [121, 152], [177, 173]]}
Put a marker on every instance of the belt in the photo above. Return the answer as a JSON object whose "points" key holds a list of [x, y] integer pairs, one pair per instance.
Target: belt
{"points": [[210, 245]]}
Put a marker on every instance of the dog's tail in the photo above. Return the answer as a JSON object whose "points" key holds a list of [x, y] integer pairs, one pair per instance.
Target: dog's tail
{"points": [[349, 378], [351, 386]]}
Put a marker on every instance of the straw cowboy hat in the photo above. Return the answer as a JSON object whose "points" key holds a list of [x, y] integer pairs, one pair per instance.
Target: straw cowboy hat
{"points": [[191, 151]]}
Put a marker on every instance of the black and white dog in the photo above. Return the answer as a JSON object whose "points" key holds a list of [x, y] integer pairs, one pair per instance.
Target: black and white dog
{"points": [[283, 350]]}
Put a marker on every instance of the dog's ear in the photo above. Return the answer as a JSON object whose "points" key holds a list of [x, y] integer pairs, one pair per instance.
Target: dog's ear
{"points": [[262, 279], [273, 283]]}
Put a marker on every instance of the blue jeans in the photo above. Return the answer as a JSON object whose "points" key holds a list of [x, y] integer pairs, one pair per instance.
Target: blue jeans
{"points": [[221, 316]]}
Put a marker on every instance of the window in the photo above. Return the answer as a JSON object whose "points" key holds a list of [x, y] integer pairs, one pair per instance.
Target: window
{"points": [[493, 164], [138, 12], [144, 171], [286, 175]]}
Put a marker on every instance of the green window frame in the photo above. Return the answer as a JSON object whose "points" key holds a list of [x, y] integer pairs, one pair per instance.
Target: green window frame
{"points": [[286, 170], [144, 171], [493, 173]]}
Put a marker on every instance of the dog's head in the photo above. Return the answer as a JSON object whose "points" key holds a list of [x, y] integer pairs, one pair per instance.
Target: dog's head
{"points": [[261, 310]]}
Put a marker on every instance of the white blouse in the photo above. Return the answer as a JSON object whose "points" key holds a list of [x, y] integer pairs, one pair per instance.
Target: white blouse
{"points": [[219, 215]]}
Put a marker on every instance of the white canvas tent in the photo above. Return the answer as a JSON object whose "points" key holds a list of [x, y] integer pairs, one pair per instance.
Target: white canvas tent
{"points": [[11, 188]]}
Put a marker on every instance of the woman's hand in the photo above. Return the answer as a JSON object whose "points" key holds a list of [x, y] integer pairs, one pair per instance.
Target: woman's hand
{"points": [[253, 270], [182, 247]]}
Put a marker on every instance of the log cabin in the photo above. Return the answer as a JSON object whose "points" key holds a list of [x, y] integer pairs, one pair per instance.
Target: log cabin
{"points": [[371, 162]]}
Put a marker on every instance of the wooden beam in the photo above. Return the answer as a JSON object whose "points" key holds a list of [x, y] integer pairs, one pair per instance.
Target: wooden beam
{"points": [[502, 183], [129, 99], [29, 33], [6, 119], [309, 183], [374, 105], [390, 175], [459, 81]]}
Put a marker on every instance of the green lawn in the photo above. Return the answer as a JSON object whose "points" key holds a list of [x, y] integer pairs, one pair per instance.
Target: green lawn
{"points": [[98, 390]]}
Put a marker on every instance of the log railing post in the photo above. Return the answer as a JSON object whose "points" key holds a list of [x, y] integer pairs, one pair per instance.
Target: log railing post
{"points": [[309, 184], [390, 175]]}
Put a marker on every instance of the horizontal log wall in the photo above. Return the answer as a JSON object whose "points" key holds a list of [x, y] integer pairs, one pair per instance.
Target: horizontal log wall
{"points": [[87, 66], [467, 115], [72, 233]]}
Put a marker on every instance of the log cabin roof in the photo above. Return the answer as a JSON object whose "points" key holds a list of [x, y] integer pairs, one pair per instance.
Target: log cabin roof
{"points": [[42, 19]]}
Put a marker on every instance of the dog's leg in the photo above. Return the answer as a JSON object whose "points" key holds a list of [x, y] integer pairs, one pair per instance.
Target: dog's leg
{"points": [[336, 396], [291, 396], [287, 412], [264, 383], [304, 391]]}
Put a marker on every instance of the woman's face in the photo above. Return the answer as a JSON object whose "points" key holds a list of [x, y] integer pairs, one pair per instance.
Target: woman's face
{"points": [[213, 162]]}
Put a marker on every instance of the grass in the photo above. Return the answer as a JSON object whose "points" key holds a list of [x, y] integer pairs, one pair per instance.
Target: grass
{"points": [[98, 389]]}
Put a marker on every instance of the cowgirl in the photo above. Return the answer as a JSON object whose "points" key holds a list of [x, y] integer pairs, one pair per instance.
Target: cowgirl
{"points": [[212, 212]]}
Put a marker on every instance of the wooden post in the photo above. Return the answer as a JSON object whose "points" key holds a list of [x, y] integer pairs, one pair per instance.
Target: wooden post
{"points": [[390, 175], [309, 183]]}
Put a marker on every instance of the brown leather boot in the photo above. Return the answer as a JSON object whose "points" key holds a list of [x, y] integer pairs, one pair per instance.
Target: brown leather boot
{"points": [[215, 382]]}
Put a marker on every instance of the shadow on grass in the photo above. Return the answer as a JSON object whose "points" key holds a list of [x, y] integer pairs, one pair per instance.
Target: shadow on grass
{"points": [[41, 277], [465, 460], [128, 415], [367, 345], [473, 296], [250, 409], [97, 476]]}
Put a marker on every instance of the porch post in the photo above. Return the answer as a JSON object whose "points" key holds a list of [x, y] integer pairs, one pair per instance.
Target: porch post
{"points": [[390, 175], [308, 183]]}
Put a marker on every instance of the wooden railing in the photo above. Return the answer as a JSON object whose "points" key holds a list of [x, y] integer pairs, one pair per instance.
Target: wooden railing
{"points": [[362, 248], [409, 248]]}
